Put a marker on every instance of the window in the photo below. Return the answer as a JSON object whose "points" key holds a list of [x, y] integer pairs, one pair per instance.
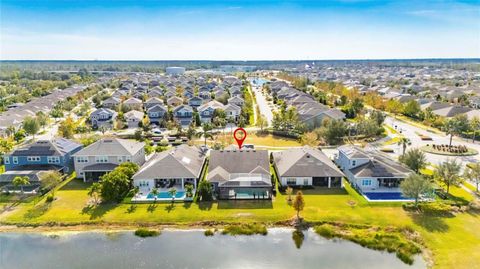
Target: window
{"points": [[53, 159], [120, 159], [367, 182], [354, 163], [33, 158], [305, 181], [101, 159], [7, 160], [15, 160], [291, 181], [82, 159], [128, 158]]}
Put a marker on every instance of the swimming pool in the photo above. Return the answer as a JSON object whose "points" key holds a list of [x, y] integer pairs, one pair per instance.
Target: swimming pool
{"points": [[166, 195], [378, 196]]}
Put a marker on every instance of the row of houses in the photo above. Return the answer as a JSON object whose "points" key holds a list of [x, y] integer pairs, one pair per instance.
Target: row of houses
{"points": [[233, 174], [14, 116], [310, 112], [157, 113]]}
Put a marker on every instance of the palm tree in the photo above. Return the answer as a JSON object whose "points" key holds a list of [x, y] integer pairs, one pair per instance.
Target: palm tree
{"points": [[172, 192], [448, 173], [189, 190], [21, 181], [154, 192], [404, 142], [205, 132]]}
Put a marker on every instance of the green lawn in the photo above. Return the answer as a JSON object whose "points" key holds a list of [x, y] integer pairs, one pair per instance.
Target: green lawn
{"points": [[454, 241]]}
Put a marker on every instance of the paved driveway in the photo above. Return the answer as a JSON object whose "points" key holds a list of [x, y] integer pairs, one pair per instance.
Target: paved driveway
{"points": [[265, 110], [410, 131]]}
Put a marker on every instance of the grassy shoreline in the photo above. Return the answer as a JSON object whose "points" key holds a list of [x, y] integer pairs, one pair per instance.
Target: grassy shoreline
{"points": [[453, 241]]}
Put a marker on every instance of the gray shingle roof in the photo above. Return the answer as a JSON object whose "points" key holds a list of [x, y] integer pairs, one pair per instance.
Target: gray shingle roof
{"points": [[181, 162], [226, 162], [111, 147], [305, 162]]}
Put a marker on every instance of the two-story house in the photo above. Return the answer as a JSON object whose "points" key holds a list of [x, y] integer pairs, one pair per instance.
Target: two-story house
{"points": [[236, 100], [183, 114], [133, 103], [104, 155], [157, 114], [206, 110], [371, 172], [102, 117], [43, 153], [151, 102]]}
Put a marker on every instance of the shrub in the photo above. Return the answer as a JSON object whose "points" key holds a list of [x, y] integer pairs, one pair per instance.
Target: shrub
{"points": [[49, 198], [146, 233], [245, 229], [209, 232], [325, 230]]}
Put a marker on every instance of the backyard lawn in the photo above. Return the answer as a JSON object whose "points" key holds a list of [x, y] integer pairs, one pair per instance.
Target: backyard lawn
{"points": [[454, 241]]}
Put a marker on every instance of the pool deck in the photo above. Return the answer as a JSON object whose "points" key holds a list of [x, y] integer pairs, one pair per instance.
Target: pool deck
{"points": [[143, 197]]}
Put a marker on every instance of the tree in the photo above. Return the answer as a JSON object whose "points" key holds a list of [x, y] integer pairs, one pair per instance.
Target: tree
{"points": [[289, 192], [21, 181], [94, 191], [114, 186], [472, 172], [332, 131], [50, 179], [205, 132], [394, 106], [56, 113], [6, 145], [154, 193], [415, 159], [404, 142], [448, 173], [298, 203], [475, 126], [31, 126], [172, 192], [205, 191], [309, 139], [455, 126], [261, 122], [66, 128], [378, 117], [42, 118], [414, 186], [411, 109]]}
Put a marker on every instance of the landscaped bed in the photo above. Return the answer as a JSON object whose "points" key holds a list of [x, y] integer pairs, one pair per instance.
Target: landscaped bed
{"points": [[449, 151]]}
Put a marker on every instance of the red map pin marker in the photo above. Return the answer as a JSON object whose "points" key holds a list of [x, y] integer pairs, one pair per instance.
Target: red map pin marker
{"points": [[240, 134]]}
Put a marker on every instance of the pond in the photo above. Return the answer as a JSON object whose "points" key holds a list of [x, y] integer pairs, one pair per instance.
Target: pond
{"points": [[189, 249]]}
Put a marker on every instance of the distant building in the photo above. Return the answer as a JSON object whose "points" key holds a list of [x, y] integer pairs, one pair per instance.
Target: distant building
{"points": [[175, 70]]}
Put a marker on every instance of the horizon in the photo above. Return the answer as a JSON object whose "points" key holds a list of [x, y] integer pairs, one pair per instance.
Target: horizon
{"points": [[238, 30]]}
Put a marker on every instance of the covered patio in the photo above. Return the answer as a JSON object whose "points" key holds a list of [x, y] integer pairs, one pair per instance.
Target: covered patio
{"points": [[95, 171]]}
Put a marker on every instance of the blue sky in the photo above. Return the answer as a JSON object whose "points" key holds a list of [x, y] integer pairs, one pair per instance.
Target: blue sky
{"points": [[238, 30]]}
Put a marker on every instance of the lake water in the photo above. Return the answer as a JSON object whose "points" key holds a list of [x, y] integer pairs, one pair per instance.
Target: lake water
{"points": [[188, 249]]}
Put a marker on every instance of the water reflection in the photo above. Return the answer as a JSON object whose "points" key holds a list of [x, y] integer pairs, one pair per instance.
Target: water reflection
{"points": [[298, 237]]}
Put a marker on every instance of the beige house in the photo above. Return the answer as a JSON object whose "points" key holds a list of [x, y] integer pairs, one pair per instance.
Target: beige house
{"points": [[104, 155]]}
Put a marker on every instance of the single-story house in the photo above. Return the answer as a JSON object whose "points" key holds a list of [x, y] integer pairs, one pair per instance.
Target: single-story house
{"points": [[240, 174], [174, 168], [306, 167]]}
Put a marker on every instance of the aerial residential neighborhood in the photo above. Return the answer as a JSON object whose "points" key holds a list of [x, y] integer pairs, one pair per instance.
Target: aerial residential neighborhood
{"points": [[240, 134]]}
